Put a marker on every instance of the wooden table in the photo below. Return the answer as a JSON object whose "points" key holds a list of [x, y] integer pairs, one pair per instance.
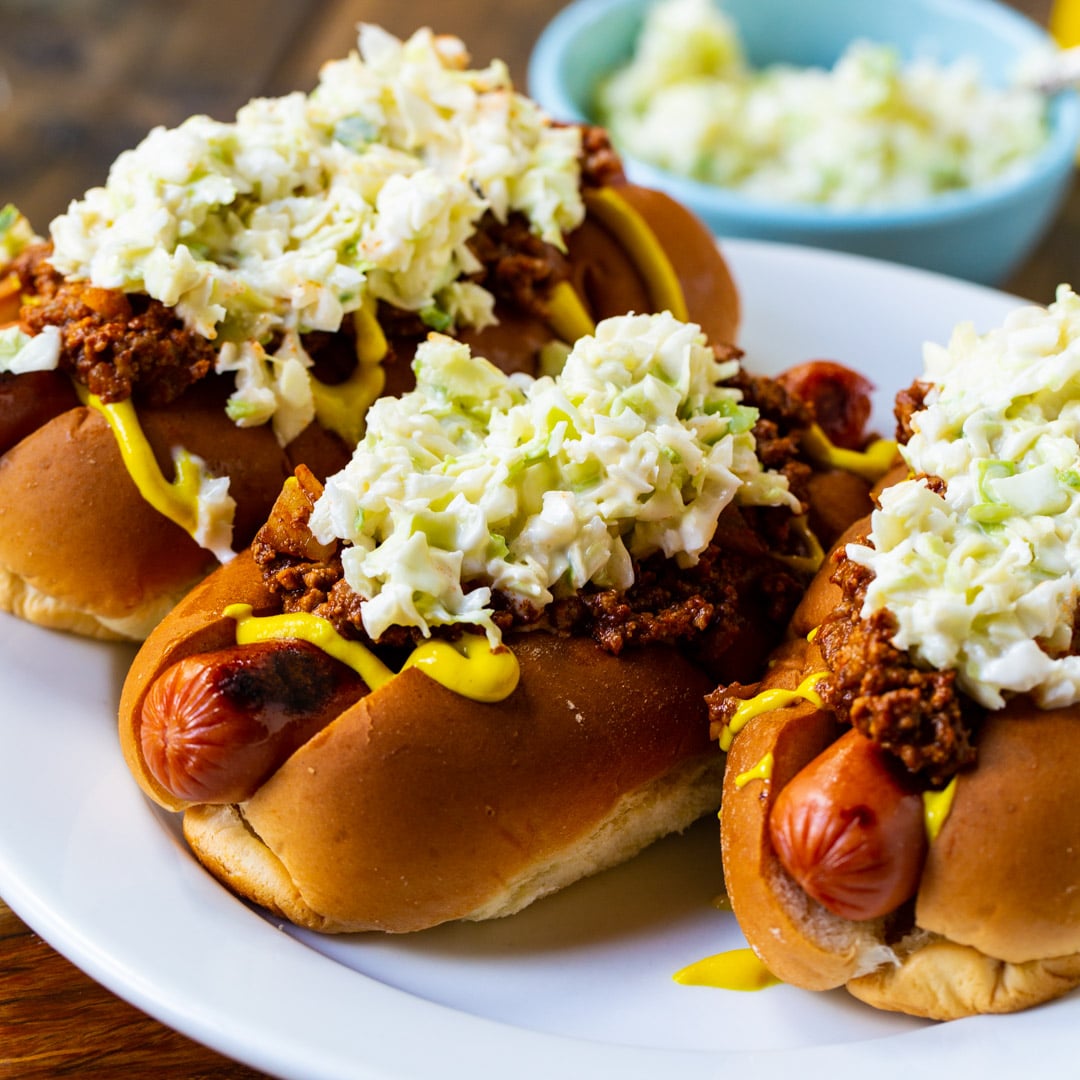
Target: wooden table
{"points": [[84, 80]]}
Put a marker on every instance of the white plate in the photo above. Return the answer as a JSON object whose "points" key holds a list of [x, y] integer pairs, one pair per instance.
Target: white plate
{"points": [[578, 985]]}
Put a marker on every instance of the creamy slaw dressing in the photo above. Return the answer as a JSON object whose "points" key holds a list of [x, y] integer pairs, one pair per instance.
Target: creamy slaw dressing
{"points": [[305, 207], [986, 578], [476, 480], [871, 131]]}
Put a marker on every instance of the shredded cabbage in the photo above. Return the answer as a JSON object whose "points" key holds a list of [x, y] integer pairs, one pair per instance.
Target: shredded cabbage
{"points": [[477, 480], [870, 132], [16, 233], [287, 219], [20, 353], [986, 579]]}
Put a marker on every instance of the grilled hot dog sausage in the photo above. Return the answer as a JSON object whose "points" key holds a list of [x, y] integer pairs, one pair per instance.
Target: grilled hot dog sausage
{"points": [[849, 831], [840, 398], [216, 725]]}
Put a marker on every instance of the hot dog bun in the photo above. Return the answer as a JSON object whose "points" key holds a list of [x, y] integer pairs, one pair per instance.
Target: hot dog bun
{"points": [[949, 667], [449, 791], [600, 271], [82, 551], [999, 890], [798, 940], [417, 806], [993, 927]]}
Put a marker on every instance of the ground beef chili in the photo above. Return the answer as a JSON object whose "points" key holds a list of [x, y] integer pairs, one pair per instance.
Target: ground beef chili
{"points": [[34, 271], [518, 267], [666, 603], [600, 164], [111, 341], [782, 419], [909, 402], [918, 715]]}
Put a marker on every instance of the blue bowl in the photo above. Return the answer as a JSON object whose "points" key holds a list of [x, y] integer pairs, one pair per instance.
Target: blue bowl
{"points": [[980, 235]]}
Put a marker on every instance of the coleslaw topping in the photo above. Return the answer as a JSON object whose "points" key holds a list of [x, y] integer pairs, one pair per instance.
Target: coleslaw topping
{"points": [[478, 481], [872, 131], [308, 206], [985, 578]]}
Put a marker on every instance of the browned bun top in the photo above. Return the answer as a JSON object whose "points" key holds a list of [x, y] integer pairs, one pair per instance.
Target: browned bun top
{"points": [[417, 806], [29, 400], [1004, 873], [602, 273], [76, 529], [195, 625]]}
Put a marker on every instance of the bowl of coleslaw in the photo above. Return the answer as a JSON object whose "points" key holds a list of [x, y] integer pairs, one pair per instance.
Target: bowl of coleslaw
{"points": [[908, 131]]}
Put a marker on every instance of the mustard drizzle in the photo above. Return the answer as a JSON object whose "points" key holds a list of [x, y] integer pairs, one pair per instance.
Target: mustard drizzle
{"points": [[341, 408], [811, 562], [645, 250], [871, 464], [178, 500], [936, 807], [567, 314], [469, 667], [761, 771], [736, 969], [766, 701]]}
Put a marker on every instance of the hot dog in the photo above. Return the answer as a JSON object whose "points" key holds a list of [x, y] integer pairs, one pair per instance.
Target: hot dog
{"points": [[535, 588], [841, 398], [850, 831], [216, 725], [286, 266], [898, 820]]}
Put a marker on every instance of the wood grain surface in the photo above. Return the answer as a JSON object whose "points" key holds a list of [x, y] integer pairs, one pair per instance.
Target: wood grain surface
{"points": [[81, 80]]}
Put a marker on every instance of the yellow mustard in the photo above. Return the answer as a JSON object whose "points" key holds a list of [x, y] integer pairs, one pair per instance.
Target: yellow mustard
{"points": [[811, 562], [761, 771], [645, 250], [469, 667], [738, 969], [342, 408], [177, 500], [766, 701], [1065, 23], [871, 464], [567, 314], [936, 807]]}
